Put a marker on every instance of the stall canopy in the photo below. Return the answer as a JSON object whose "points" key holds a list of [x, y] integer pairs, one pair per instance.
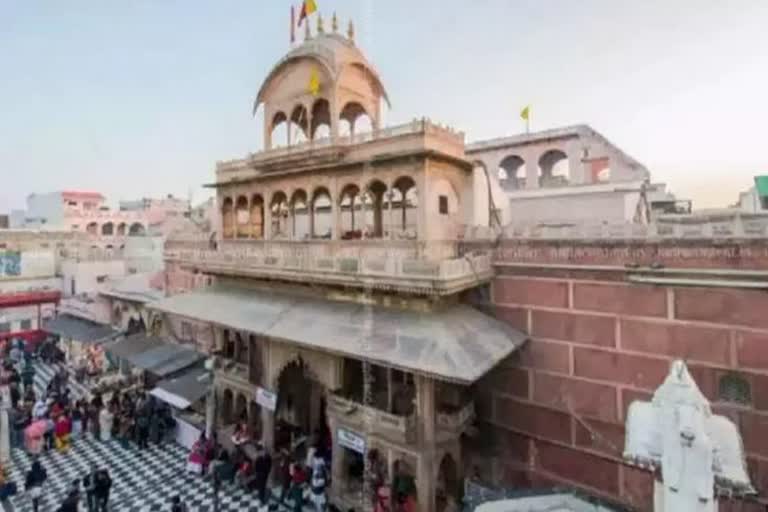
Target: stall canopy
{"points": [[185, 389], [154, 355], [455, 343], [79, 329]]}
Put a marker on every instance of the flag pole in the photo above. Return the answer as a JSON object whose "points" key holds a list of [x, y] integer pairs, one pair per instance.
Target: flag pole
{"points": [[293, 26]]}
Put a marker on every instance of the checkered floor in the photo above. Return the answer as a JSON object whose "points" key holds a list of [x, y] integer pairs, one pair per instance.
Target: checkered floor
{"points": [[143, 481]]}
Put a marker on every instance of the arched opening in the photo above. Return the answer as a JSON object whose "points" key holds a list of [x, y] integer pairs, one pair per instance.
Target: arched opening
{"points": [[373, 204], [226, 406], [604, 175], [136, 229], [321, 117], [279, 211], [121, 229], [554, 169], [228, 218], [512, 173], [351, 222], [92, 228], [322, 214], [405, 204], [257, 217], [299, 124], [448, 494], [242, 218], [354, 119], [300, 405], [299, 215], [279, 130], [241, 409], [107, 229]]}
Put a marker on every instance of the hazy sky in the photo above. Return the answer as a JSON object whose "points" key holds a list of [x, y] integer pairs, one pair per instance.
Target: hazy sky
{"points": [[141, 97]]}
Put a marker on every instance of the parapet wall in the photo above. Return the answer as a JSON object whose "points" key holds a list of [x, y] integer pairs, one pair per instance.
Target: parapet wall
{"points": [[606, 317]]}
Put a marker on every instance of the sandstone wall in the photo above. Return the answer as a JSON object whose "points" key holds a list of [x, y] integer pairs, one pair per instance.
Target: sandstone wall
{"points": [[598, 341]]}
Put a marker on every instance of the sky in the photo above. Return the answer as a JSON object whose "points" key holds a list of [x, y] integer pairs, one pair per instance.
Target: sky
{"points": [[138, 98]]}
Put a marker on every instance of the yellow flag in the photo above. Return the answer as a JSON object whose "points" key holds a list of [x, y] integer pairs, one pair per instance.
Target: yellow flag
{"points": [[525, 113], [314, 83]]}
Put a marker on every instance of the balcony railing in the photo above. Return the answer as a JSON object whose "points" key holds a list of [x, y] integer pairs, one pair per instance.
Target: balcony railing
{"points": [[393, 260], [416, 127], [397, 428]]}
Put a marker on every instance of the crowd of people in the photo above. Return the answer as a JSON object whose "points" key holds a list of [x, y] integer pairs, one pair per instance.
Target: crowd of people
{"points": [[300, 480]]}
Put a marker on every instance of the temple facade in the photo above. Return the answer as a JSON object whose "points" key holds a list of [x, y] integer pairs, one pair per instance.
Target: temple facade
{"points": [[331, 292]]}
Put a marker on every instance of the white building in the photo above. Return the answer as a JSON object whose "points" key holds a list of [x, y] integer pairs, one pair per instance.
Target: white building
{"points": [[755, 200]]}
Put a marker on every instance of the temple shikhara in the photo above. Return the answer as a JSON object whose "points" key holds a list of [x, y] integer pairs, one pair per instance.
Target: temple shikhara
{"points": [[528, 322]]}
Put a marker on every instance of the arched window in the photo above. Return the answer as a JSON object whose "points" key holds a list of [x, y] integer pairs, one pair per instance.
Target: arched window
{"points": [[299, 124], [554, 170], [108, 229], [321, 117], [92, 228], [322, 215], [121, 229], [351, 221], [512, 173], [299, 216], [242, 218], [257, 216], [228, 218], [279, 130], [136, 229], [354, 119], [405, 204], [279, 210], [373, 202]]}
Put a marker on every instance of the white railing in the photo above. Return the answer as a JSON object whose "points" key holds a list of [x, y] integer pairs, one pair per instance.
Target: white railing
{"points": [[415, 127], [680, 227], [375, 261]]}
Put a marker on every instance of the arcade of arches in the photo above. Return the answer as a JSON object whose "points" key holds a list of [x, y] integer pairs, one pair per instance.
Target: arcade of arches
{"points": [[377, 211]]}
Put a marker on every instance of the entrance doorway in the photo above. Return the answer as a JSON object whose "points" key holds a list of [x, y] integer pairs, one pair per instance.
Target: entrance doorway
{"points": [[300, 414]]}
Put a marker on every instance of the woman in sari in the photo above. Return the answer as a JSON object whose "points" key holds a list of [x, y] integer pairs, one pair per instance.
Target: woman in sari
{"points": [[198, 458], [61, 432]]}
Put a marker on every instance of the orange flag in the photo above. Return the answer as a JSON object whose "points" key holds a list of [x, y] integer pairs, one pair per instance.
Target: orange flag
{"points": [[307, 8]]}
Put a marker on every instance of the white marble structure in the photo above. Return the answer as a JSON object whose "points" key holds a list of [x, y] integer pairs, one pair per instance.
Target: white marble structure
{"points": [[697, 454]]}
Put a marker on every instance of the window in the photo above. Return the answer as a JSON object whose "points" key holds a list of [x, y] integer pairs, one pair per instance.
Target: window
{"points": [[443, 205], [75, 226], [5, 326], [72, 203], [764, 202], [44, 246], [101, 279], [26, 325]]}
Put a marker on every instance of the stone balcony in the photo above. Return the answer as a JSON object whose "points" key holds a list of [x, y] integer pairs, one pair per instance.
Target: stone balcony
{"points": [[398, 429], [451, 425], [432, 268]]}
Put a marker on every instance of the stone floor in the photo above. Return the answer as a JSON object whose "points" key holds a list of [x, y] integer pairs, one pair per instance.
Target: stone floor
{"points": [[143, 481]]}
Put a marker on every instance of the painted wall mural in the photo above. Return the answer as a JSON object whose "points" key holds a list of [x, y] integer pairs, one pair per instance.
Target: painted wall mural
{"points": [[10, 263]]}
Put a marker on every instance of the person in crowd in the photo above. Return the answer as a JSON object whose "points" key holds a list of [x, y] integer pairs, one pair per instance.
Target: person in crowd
{"points": [[177, 505], [245, 475], [40, 409], [124, 428], [19, 419], [103, 487], [296, 490], [62, 431], [240, 435], [262, 468], [28, 377], [89, 484], [35, 479], [198, 458], [317, 485], [143, 414], [106, 422], [71, 503]]}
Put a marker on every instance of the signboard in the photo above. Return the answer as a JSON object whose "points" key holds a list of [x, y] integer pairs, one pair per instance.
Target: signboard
{"points": [[10, 263], [351, 440], [266, 399]]}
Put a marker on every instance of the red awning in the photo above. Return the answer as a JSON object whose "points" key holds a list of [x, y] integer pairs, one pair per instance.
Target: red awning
{"points": [[14, 300]]}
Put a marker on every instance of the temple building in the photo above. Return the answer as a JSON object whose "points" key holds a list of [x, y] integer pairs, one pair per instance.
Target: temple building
{"points": [[334, 283]]}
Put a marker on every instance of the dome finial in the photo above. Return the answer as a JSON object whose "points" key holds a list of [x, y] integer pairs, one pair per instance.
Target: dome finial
{"points": [[351, 31], [307, 32], [334, 23], [320, 28]]}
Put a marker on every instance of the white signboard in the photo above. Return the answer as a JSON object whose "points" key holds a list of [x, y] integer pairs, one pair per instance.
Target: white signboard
{"points": [[266, 399], [349, 439]]}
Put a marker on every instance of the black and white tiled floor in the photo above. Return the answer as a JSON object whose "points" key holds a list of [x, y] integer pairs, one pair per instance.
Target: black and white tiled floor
{"points": [[143, 481]]}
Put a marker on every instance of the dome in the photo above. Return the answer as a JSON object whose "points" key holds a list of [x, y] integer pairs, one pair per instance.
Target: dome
{"points": [[334, 53]]}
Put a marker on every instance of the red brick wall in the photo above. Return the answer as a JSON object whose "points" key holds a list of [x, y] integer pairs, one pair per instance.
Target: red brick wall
{"points": [[598, 342]]}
